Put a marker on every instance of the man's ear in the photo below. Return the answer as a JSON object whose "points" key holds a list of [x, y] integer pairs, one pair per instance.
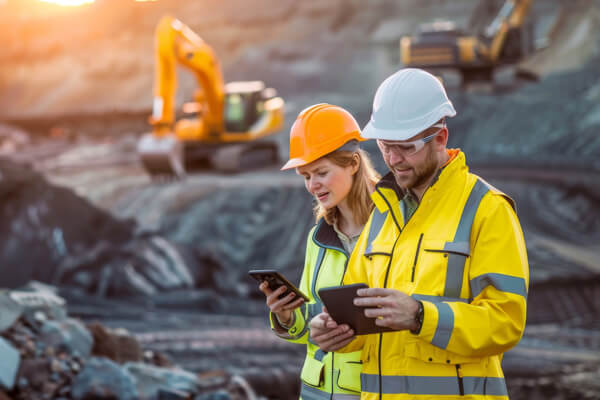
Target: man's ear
{"points": [[441, 140]]}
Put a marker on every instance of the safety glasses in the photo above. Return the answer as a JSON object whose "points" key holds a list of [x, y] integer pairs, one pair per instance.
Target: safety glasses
{"points": [[407, 149]]}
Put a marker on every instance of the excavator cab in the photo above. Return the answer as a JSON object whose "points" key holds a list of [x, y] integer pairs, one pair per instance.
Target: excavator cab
{"points": [[245, 104]]}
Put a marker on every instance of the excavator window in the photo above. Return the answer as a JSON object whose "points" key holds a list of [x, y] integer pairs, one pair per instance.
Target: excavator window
{"points": [[502, 16], [234, 108], [242, 110]]}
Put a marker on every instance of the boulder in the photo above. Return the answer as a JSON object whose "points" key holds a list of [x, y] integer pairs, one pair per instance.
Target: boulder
{"points": [[102, 378]]}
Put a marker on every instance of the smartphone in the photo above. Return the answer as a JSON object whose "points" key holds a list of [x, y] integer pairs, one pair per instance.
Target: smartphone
{"points": [[339, 301], [275, 279]]}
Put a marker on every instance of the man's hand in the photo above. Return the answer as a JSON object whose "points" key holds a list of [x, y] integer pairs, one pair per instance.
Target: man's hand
{"points": [[281, 307], [392, 308], [327, 334]]}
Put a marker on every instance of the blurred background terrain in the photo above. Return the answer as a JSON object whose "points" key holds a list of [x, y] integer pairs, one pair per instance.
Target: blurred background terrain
{"points": [[167, 259]]}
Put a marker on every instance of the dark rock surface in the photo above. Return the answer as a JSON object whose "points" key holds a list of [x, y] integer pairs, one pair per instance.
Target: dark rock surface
{"points": [[553, 123], [233, 231], [55, 236], [49, 222]]}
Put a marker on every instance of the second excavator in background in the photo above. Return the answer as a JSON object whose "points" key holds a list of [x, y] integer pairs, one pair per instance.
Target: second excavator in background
{"points": [[499, 34], [231, 125]]}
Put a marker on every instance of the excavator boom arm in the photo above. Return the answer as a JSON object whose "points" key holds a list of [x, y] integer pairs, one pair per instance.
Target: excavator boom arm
{"points": [[175, 43], [512, 15]]}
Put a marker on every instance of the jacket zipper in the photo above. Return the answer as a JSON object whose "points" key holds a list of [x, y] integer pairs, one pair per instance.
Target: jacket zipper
{"points": [[332, 375], [333, 353], [387, 273], [412, 276], [459, 376]]}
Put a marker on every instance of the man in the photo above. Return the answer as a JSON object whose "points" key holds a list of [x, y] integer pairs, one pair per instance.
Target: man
{"points": [[443, 255]]}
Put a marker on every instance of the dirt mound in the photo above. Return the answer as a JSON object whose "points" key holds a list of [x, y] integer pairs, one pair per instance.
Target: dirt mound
{"points": [[41, 224], [237, 230], [552, 123], [52, 235], [572, 41]]}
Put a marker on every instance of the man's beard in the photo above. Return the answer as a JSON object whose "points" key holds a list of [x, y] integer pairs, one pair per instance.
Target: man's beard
{"points": [[420, 174]]}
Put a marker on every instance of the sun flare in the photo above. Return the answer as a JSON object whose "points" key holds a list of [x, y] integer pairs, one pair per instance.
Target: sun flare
{"points": [[68, 2]]}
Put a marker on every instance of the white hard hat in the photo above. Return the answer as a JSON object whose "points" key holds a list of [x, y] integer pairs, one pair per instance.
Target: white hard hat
{"points": [[406, 103]]}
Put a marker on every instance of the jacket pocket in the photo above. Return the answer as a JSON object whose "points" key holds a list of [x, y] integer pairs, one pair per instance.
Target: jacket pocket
{"points": [[312, 372], [349, 378], [431, 354], [414, 267], [439, 264]]}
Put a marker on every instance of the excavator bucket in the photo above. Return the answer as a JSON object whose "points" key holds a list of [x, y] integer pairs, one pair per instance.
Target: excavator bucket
{"points": [[241, 156], [162, 156]]}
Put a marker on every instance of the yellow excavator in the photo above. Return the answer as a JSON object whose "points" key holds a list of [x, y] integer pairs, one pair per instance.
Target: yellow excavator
{"points": [[230, 126], [501, 35]]}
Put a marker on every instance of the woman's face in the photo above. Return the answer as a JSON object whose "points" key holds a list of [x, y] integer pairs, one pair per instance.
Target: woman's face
{"points": [[328, 182]]}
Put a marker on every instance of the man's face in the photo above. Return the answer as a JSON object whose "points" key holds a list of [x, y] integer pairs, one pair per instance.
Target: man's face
{"points": [[412, 170]]}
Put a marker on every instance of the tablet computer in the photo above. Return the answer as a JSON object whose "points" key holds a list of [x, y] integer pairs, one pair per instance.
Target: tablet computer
{"points": [[339, 301], [275, 279]]}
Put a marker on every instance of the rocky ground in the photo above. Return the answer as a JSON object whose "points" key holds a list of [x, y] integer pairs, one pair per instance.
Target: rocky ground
{"points": [[168, 259], [45, 354]]}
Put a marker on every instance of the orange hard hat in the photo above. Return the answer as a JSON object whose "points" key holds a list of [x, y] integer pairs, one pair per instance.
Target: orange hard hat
{"points": [[319, 130]]}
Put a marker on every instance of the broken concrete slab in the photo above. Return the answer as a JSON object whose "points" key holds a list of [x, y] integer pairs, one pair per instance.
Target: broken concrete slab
{"points": [[10, 311], [36, 299], [10, 360], [102, 378], [69, 335], [150, 379]]}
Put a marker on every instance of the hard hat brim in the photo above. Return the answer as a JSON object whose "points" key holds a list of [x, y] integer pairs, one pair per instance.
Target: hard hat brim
{"points": [[294, 163], [371, 132], [299, 162]]}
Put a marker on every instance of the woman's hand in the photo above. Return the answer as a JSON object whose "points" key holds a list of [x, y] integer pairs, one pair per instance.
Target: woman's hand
{"points": [[283, 307], [327, 334]]}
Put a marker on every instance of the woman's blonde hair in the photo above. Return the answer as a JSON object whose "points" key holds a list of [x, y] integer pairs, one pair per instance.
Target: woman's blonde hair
{"points": [[363, 181]]}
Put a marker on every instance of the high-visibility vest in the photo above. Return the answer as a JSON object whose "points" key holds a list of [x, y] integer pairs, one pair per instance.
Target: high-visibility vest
{"points": [[325, 376], [462, 254]]}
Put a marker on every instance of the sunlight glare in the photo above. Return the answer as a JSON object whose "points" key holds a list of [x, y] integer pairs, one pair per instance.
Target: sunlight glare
{"points": [[68, 2]]}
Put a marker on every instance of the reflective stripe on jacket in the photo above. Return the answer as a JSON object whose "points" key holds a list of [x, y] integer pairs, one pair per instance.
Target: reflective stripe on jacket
{"points": [[463, 255], [325, 376]]}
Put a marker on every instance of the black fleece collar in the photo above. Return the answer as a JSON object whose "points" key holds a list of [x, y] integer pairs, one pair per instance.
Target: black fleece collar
{"points": [[326, 236]]}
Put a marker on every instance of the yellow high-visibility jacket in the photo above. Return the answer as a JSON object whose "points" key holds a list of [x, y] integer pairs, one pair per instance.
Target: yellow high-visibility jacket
{"points": [[324, 375], [463, 255]]}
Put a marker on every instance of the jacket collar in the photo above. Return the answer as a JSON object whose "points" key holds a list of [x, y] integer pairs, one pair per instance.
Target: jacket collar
{"points": [[325, 236], [387, 192], [389, 182]]}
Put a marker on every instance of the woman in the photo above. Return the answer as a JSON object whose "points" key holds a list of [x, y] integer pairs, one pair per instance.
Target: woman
{"points": [[324, 150]]}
